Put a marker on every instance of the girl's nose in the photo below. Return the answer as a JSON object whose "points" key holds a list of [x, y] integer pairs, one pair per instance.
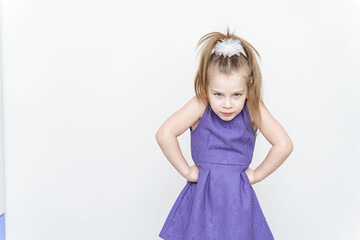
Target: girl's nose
{"points": [[227, 103]]}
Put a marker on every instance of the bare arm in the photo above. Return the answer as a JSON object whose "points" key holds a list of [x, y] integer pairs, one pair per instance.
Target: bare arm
{"points": [[174, 126], [277, 136]]}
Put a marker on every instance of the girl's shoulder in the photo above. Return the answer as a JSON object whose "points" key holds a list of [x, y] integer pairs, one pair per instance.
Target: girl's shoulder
{"points": [[201, 107]]}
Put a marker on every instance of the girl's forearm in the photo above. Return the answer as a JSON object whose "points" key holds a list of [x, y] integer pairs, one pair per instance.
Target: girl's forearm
{"points": [[171, 149], [276, 156]]}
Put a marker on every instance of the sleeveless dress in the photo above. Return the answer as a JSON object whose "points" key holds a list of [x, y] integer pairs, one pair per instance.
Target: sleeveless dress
{"points": [[222, 204]]}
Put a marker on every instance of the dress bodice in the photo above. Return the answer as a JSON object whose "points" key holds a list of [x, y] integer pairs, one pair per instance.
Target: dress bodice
{"points": [[226, 142]]}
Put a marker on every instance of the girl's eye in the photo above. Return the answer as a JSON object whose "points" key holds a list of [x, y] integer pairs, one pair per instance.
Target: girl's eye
{"points": [[234, 94]]}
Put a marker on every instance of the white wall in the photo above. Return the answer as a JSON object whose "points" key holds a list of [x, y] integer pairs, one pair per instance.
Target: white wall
{"points": [[86, 85], [2, 172]]}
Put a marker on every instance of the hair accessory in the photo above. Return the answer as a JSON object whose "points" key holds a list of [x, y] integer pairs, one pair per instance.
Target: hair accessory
{"points": [[228, 47]]}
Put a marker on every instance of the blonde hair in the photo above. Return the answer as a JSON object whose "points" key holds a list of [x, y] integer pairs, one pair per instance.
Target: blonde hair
{"points": [[227, 65]]}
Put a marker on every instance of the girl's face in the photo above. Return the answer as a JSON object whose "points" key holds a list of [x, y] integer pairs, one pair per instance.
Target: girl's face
{"points": [[227, 94]]}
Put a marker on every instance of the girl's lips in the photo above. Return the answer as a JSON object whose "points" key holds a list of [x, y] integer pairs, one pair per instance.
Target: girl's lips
{"points": [[227, 114]]}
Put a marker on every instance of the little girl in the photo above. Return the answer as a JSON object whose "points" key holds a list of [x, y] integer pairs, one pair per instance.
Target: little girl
{"points": [[218, 201]]}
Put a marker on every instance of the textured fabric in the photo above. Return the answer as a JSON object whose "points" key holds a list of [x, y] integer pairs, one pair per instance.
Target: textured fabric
{"points": [[222, 204]]}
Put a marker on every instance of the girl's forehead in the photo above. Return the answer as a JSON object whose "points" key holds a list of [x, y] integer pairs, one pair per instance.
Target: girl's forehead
{"points": [[227, 81]]}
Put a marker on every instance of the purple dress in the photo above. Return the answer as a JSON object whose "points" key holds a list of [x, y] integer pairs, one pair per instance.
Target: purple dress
{"points": [[222, 204]]}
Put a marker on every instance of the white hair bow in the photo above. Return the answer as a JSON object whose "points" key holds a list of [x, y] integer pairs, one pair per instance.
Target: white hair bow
{"points": [[228, 47]]}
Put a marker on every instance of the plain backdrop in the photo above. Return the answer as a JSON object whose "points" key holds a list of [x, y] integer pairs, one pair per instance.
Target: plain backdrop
{"points": [[86, 85]]}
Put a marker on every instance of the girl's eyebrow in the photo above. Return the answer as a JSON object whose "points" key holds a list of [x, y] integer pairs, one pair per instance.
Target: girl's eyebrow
{"points": [[241, 90]]}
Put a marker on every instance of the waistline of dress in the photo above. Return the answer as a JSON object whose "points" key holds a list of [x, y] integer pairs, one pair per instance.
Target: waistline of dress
{"points": [[242, 166]]}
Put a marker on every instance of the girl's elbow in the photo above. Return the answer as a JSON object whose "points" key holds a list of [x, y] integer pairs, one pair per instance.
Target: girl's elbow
{"points": [[159, 135], [287, 146]]}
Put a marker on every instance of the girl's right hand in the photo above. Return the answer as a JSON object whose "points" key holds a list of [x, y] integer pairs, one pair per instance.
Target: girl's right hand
{"points": [[193, 174], [251, 175]]}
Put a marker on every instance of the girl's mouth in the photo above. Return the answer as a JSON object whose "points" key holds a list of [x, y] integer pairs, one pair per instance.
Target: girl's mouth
{"points": [[227, 114]]}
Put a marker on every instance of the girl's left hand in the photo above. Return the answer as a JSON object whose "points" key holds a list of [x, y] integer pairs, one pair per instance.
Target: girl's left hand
{"points": [[251, 175]]}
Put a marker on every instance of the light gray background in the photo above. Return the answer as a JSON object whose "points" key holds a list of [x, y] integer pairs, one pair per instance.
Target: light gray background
{"points": [[86, 85]]}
